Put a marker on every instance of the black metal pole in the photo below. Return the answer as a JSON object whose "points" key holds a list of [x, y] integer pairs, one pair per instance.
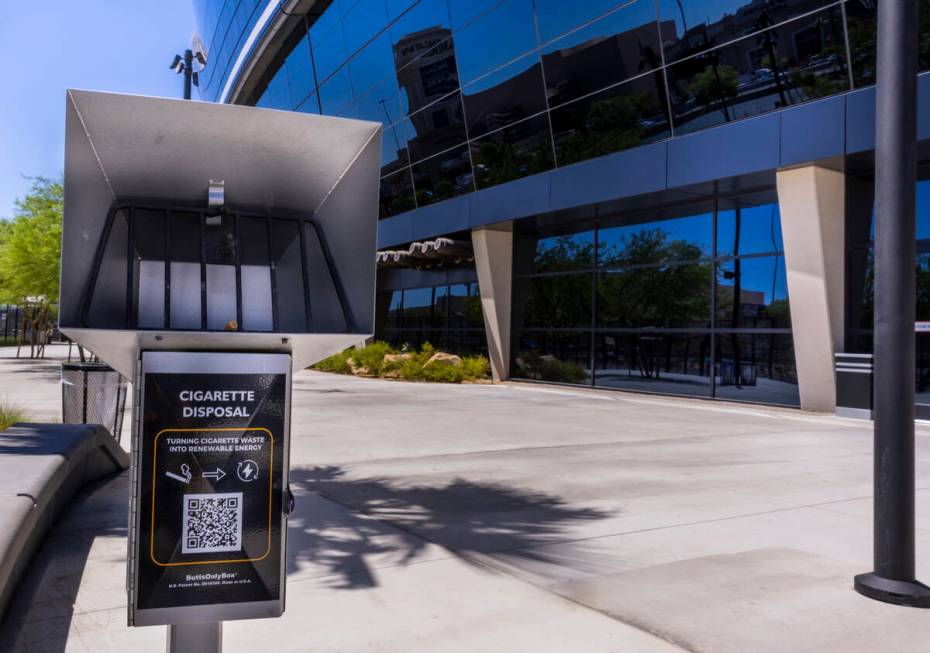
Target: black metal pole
{"points": [[893, 579], [188, 71]]}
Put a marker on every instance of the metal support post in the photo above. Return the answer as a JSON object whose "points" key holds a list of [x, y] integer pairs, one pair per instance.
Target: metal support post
{"points": [[195, 638], [893, 579]]}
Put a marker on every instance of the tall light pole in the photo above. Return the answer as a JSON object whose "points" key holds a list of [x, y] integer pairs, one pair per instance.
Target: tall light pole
{"points": [[185, 65], [893, 578]]}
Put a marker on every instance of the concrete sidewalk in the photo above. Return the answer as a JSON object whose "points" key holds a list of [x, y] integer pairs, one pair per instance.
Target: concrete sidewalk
{"points": [[528, 518]]}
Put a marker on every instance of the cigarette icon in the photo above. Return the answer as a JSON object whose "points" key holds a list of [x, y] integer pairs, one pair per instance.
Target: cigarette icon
{"points": [[185, 476]]}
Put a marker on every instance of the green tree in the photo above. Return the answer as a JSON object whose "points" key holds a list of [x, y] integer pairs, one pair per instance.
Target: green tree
{"points": [[30, 245], [715, 83]]}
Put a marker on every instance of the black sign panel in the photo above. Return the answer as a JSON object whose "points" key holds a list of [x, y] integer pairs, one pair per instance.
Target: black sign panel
{"points": [[209, 488]]}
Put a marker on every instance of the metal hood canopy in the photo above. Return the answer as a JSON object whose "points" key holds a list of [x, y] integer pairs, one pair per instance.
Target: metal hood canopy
{"points": [[124, 151]]}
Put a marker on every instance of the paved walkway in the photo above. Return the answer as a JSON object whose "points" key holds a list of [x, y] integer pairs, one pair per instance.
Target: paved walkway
{"points": [[524, 518]]}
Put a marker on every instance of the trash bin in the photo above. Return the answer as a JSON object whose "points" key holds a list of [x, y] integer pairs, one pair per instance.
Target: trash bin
{"points": [[93, 393]]}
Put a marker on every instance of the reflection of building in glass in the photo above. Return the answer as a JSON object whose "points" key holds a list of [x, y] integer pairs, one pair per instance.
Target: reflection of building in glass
{"points": [[633, 156]]}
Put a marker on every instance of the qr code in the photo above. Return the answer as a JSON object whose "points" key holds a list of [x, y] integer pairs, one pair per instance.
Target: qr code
{"points": [[212, 523]]}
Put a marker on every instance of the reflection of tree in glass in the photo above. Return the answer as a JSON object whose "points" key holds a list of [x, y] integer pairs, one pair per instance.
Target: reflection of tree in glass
{"points": [[715, 83], [670, 295], [499, 161], [610, 125], [564, 253]]}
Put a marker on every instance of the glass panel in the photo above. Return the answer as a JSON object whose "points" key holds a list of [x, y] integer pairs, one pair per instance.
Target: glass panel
{"points": [[300, 80], [691, 26], [495, 39], [420, 30], [922, 395], [336, 95], [560, 301], [667, 363], [463, 12], [374, 66], [763, 291], [309, 105], [505, 96], [362, 21], [659, 241], [443, 176], [465, 307], [861, 21], [792, 63], [556, 17], [329, 49], [418, 308], [426, 69], [513, 152], [469, 342], [434, 129], [566, 252], [396, 7], [749, 230], [396, 194], [395, 310], [628, 115], [440, 307], [382, 104], [672, 296], [757, 367], [554, 357], [623, 44], [221, 297]]}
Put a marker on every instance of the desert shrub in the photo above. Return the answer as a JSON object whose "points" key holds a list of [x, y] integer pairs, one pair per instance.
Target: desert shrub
{"points": [[371, 357], [11, 414], [413, 367], [337, 363]]}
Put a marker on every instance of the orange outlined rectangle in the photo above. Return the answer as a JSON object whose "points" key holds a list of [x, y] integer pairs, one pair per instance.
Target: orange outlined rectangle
{"points": [[270, 489]]}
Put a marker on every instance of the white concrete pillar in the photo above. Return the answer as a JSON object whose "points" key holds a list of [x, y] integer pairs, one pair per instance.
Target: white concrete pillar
{"points": [[811, 201], [494, 263]]}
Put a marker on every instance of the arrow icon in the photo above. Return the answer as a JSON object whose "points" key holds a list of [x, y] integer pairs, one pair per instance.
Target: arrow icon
{"points": [[219, 474]]}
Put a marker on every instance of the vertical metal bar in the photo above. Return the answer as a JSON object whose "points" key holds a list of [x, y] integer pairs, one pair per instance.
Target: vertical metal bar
{"points": [[305, 273], [167, 269], [274, 278], [203, 275], [195, 638], [713, 304], [84, 397], [130, 266], [238, 259], [895, 248], [591, 345], [895, 288]]}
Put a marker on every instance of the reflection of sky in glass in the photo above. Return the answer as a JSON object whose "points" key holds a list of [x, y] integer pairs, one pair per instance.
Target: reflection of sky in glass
{"points": [[760, 231], [765, 275], [418, 298], [696, 230], [495, 39], [623, 20]]}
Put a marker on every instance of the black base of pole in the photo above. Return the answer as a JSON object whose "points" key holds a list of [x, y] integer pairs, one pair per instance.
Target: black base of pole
{"points": [[911, 593]]}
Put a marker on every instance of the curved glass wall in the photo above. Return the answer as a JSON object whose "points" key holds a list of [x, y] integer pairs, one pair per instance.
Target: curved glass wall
{"points": [[475, 93]]}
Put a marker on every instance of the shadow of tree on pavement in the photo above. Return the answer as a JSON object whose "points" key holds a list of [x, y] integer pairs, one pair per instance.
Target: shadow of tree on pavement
{"points": [[395, 523]]}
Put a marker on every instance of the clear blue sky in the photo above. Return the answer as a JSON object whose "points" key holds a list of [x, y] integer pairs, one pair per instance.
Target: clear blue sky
{"points": [[46, 47]]}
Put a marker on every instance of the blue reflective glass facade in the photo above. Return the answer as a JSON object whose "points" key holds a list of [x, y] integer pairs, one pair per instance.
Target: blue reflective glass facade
{"points": [[475, 93]]}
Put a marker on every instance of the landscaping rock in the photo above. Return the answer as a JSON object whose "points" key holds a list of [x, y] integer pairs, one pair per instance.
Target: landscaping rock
{"points": [[356, 369], [443, 357], [397, 358]]}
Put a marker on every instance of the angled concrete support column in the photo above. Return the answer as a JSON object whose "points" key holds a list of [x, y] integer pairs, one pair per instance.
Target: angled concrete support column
{"points": [[812, 203], [494, 263]]}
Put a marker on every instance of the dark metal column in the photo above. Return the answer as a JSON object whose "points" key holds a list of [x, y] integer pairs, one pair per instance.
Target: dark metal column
{"points": [[893, 579]]}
